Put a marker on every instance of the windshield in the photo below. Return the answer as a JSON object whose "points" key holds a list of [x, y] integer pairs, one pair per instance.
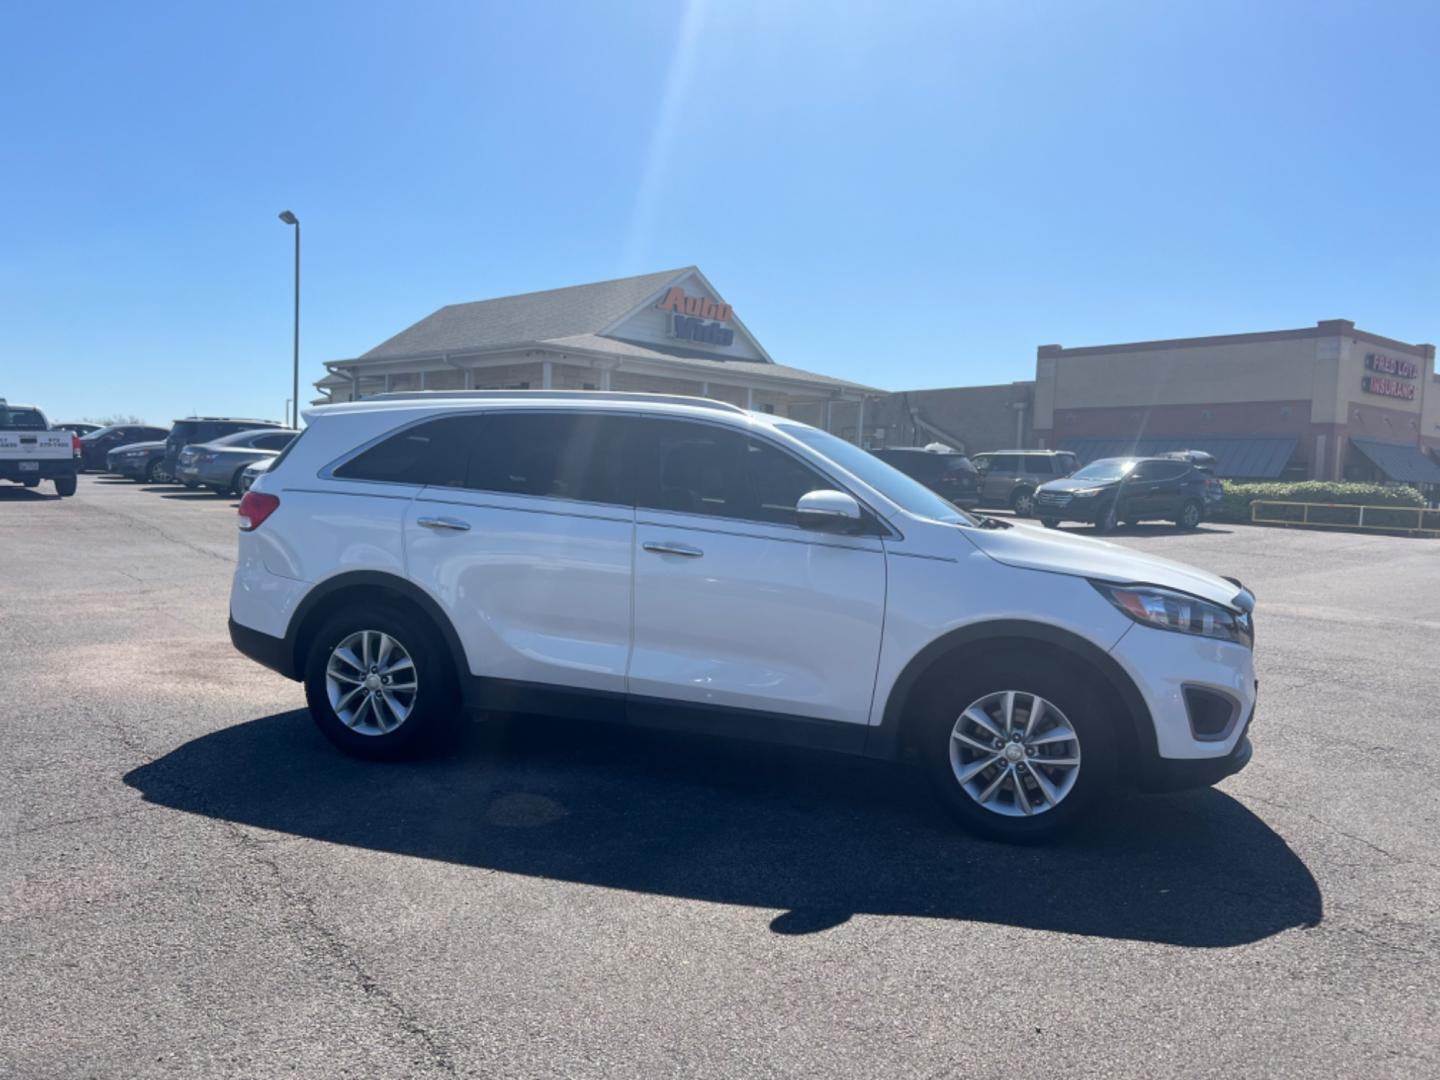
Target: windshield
{"points": [[1107, 469], [910, 495]]}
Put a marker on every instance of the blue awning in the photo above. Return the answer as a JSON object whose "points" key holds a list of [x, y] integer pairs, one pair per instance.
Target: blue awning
{"points": [[1399, 461], [1236, 457]]}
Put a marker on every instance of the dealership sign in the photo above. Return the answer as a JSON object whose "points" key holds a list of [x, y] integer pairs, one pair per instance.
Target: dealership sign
{"points": [[697, 318], [1389, 373]]}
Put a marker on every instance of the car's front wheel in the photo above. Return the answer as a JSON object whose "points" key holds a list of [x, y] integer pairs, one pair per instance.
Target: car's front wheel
{"points": [[1019, 752], [1050, 523], [380, 684]]}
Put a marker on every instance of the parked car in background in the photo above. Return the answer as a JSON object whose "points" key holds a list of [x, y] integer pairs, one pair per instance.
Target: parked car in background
{"points": [[77, 428], [946, 472], [1008, 478], [671, 562], [254, 470], [139, 461], [95, 446], [217, 464], [1205, 463], [1126, 490], [199, 429], [31, 450]]}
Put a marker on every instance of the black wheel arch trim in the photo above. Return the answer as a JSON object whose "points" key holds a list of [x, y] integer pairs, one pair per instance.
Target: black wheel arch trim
{"points": [[354, 579], [885, 738]]}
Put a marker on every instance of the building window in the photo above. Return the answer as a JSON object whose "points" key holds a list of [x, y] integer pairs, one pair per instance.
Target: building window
{"points": [[768, 408]]}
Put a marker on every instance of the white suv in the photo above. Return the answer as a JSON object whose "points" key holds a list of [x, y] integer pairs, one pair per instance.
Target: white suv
{"points": [[677, 562]]}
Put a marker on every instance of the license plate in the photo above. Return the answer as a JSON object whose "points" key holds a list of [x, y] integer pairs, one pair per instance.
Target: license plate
{"points": [[29, 466]]}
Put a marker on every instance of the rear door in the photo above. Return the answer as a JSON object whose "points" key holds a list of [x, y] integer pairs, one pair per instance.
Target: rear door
{"points": [[735, 605], [527, 543], [999, 479]]}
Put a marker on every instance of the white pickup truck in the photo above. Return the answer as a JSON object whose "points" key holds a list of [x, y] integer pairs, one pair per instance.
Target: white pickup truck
{"points": [[30, 451]]}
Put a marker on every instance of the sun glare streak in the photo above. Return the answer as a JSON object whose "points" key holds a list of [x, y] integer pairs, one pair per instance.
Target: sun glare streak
{"points": [[662, 137]]}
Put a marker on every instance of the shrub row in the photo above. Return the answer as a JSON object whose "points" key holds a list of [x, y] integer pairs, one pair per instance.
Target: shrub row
{"points": [[1239, 496]]}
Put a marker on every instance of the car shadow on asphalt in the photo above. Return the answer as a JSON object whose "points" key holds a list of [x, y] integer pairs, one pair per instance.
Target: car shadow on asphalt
{"points": [[19, 493], [820, 837]]}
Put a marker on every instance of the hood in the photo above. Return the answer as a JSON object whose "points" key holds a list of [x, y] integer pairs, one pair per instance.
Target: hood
{"points": [[1032, 548]]}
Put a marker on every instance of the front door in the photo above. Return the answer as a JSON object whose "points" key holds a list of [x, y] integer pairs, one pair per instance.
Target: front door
{"points": [[735, 605]]}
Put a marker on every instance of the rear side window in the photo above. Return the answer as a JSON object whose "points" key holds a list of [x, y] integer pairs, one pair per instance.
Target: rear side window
{"points": [[428, 453], [1005, 463], [1037, 466], [551, 455], [277, 441], [1160, 470]]}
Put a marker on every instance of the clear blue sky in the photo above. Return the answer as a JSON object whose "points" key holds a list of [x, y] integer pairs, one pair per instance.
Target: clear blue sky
{"points": [[904, 194]]}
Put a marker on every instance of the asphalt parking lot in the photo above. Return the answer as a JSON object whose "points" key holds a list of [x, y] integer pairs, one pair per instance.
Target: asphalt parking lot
{"points": [[193, 883]]}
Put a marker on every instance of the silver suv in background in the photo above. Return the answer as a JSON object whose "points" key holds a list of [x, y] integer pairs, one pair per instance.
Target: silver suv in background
{"points": [[1008, 478]]}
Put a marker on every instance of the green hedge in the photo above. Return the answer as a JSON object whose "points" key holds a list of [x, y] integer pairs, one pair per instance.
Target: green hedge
{"points": [[1238, 497]]}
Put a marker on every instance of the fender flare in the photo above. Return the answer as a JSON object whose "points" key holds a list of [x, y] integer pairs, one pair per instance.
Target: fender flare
{"points": [[885, 738], [377, 579]]}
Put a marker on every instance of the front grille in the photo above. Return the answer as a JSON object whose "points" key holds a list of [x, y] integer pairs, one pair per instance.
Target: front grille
{"points": [[1053, 498]]}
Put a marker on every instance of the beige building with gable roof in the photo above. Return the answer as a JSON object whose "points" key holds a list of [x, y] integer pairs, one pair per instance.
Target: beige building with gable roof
{"points": [[669, 332]]}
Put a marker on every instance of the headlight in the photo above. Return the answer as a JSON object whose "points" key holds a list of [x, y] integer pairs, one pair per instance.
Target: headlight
{"points": [[1166, 610], [1087, 493]]}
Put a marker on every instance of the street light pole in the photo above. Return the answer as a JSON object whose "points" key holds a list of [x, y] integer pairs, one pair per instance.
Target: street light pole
{"points": [[290, 219]]}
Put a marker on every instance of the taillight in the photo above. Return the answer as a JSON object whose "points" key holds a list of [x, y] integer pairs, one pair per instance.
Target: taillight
{"points": [[75, 447], [255, 507]]}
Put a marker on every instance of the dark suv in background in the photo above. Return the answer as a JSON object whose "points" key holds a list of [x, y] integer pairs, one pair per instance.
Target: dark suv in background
{"points": [[948, 473], [200, 429], [1126, 490], [96, 446], [1008, 478]]}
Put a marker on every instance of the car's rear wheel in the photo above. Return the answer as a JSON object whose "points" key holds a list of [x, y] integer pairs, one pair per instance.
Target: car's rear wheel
{"points": [[1050, 523], [1023, 503], [380, 684], [1018, 752], [65, 486], [156, 473], [1190, 515]]}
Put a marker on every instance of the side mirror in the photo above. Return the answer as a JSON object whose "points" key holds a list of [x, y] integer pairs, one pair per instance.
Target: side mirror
{"points": [[828, 511]]}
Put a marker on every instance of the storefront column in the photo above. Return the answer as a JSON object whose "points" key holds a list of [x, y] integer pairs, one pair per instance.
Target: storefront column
{"points": [[860, 425], [547, 375], [749, 397]]}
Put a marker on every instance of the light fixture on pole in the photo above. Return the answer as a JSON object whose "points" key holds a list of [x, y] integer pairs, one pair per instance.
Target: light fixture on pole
{"points": [[290, 219]]}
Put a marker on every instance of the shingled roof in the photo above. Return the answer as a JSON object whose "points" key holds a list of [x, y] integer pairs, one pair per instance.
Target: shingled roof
{"points": [[524, 319]]}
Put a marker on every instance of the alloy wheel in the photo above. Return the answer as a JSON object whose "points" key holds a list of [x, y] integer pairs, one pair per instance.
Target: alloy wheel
{"points": [[371, 682], [1014, 753], [1024, 504], [1190, 516]]}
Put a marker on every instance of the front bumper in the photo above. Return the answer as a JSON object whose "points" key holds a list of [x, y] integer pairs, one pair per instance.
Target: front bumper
{"points": [[1068, 508], [1163, 666]]}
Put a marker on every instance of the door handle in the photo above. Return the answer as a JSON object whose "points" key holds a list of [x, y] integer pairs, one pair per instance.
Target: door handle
{"points": [[672, 549], [443, 523]]}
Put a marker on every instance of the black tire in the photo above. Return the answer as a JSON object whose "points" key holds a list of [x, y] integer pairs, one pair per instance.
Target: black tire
{"points": [[65, 486], [436, 712], [1050, 523], [1022, 503], [31, 483], [1191, 514], [1082, 707], [217, 489]]}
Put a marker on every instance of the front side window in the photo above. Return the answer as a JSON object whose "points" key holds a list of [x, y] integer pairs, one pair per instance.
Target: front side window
{"points": [[1004, 463], [695, 468], [1106, 470], [910, 495]]}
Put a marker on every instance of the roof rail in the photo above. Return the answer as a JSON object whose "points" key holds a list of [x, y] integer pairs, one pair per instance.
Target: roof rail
{"points": [[557, 395]]}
